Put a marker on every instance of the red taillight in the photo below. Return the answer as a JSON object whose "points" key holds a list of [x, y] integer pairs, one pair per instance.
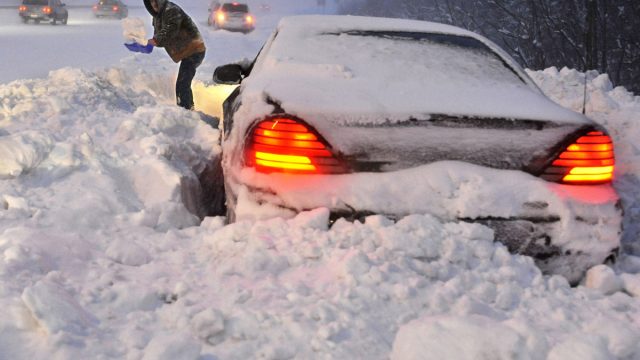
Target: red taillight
{"points": [[46, 10], [115, 8], [22, 8], [286, 145], [589, 160], [95, 7]]}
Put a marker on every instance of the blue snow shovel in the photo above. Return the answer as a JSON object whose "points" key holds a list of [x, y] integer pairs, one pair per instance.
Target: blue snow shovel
{"points": [[135, 47]]}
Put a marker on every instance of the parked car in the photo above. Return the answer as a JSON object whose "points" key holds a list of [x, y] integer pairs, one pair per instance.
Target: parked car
{"points": [[111, 8], [43, 10], [370, 116], [232, 16]]}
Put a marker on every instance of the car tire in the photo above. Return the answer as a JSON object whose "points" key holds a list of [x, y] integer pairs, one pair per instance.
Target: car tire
{"points": [[54, 21], [37, 21], [25, 20], [64, 21]]}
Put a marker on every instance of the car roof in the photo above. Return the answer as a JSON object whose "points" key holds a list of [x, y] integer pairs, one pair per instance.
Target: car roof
{"points": [[311, 69]]}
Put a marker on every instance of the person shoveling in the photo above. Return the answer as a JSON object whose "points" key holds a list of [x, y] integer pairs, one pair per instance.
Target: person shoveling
{"points": [[174, 31]]}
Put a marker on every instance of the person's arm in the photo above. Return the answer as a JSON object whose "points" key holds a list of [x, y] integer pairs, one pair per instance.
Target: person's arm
{"points": [[172, 19]]}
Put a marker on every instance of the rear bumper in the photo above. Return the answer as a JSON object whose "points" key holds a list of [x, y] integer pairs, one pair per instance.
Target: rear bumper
{"points": [[567, 229], [236, 26], [36, 16], [106, 13]]}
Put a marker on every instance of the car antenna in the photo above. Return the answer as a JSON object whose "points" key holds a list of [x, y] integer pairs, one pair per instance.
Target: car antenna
{"points": [[584, 96]]}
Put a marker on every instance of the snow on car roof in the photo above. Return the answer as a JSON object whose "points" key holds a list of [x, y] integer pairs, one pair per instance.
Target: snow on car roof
{"points": [[365, 70]]}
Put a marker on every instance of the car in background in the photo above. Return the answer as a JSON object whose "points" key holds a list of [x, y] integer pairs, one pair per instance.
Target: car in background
{"points": [[52, 11], [232, 16], [396, 117], [110, 8]]}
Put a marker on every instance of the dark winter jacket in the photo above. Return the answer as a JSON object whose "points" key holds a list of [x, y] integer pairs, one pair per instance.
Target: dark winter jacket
{"points": [[174, 30]]}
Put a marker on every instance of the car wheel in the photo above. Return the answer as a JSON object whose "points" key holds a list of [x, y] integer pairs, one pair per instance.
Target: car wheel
{"points": [[53, 21], [64, 21], [37, 21], [25, 20]]}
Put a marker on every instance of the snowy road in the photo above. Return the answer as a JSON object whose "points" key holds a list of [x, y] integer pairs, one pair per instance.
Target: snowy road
{"points": [[100, 259], [31, 50]]}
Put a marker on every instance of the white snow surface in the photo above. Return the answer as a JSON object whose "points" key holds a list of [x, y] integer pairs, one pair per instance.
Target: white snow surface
{"points": [[100, 256]]}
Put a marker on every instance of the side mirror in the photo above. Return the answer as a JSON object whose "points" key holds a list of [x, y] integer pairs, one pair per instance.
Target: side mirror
{"points": [[230, 74]]}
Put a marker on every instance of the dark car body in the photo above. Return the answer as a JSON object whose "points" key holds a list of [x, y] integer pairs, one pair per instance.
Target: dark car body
{"points": [[111, 8], [232, 16], [53, 11], [384, 116]]}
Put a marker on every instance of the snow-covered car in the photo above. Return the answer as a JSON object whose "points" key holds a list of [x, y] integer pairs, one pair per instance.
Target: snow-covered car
{"points": [[111, 8], [43, 10], [232, 16], [395, 117]]}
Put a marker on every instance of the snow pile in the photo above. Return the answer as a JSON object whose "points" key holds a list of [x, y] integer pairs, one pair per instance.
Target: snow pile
{"points": [[101, 255]]}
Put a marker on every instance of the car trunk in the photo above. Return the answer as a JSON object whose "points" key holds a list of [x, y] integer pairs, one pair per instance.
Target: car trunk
{"points": [[107, 8], [497, 143], [36, 9]]}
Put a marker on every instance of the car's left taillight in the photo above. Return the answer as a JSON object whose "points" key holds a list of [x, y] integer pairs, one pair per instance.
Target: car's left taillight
{"points": [[588, 160], [286, 144], [22, 8]]}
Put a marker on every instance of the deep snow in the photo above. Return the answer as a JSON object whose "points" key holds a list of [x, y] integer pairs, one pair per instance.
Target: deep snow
{"points": [[99, 257]]}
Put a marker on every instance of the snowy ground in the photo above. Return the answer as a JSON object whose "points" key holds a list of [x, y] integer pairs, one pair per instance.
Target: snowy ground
{"points": [[100, 258]]}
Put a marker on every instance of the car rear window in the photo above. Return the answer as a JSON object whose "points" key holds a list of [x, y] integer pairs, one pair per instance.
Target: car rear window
{"points": [[449, 53], [235, 7], [36, 2]]}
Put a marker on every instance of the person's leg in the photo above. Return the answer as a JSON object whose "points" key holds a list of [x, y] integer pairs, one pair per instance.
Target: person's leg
{"points": [[184, 96]]}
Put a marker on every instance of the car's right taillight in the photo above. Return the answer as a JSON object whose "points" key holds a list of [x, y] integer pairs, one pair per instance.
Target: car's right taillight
{"points": [[46, 10], [283, 144], [589, 160]]}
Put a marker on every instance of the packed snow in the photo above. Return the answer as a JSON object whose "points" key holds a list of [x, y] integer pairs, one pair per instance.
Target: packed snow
{"points": [[102, 254]]}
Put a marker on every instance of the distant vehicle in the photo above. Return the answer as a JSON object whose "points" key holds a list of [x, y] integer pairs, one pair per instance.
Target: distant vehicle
{"points": [[43, 10], [231, 16], [383, 116], [111, 8]]}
